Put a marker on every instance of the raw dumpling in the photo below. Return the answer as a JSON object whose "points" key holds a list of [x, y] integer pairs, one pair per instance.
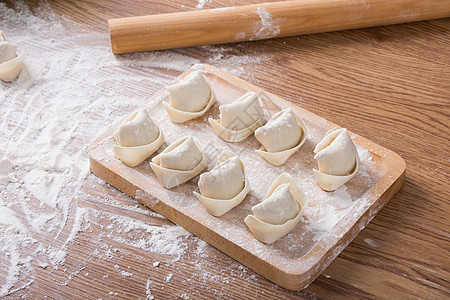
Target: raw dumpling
{"points": [[190, 98], [179, 162], [283, 134], [225, 181], [239, 119], [279, 212], [337, 158], [278, 207], [225, 186], [137, 138], [10, 62]]}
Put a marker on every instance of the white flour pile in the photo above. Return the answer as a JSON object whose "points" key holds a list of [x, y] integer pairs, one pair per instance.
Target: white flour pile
{"points": [[70, 89]]}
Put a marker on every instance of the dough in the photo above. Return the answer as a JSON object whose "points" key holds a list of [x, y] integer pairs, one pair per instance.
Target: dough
{"points": [[278, 208], [190, 94], [190, 98], [279, 212], [179, 162], [137, 138], [239, 119], [224, 182], [10, 62], [184, 157], [281, 137], [137, 130], [225, 186], [337, 158]]}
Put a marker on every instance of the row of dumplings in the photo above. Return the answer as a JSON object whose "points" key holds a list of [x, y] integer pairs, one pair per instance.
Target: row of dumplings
{"points": [[139, 136], [226, 185]]}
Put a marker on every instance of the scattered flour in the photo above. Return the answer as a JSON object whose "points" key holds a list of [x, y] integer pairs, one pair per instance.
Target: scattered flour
{"points": [[201, 3], [5, 166], [81, 217], [70, 89], [13, 236], [163, 240], [148, 291], [126, 274], [371, 242], [267, 27]]}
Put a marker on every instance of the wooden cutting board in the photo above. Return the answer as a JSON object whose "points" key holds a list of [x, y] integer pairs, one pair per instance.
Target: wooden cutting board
{"points": [[330, 222]]}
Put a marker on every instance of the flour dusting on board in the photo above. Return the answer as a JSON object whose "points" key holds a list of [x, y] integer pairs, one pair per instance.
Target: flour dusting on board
{"points": [[71, 87], [328, 215]]}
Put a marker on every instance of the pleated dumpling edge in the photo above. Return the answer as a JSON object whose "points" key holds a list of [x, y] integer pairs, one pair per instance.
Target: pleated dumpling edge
{"points": [[170, 177], [10, 62], [239, 119], [190, 98], [337, 158], [268, 233], [218, 207], [133, 149], [278, 158]]}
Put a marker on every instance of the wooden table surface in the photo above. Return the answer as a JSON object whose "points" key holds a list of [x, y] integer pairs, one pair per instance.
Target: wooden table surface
{"points": [[389, 84]]}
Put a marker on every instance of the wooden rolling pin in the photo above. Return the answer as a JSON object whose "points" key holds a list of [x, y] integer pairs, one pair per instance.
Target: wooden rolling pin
{"points": [[263, 21]]}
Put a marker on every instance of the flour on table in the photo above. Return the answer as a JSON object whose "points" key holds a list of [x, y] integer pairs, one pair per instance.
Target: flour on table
{"points": [[371, 242], [70, 88], [126, 274], [148, 291]]}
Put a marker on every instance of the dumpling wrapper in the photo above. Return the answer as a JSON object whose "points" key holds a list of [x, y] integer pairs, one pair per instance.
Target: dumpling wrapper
{"points": [[278, 208], [337, 158], [7, 50], [184, 157], [10, 62], [179, 162], [267, 232], [225, 181], [225, 186], [190, 98], [137, 138], [238, 119], [137, 130], [281, 136]]}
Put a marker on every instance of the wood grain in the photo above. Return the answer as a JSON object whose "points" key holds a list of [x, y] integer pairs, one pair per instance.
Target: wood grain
{"points": [[263, 21], [276, 264], [389, 84]]}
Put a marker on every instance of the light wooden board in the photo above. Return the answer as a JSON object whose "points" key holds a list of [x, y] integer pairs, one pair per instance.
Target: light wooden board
{"points": [[330, 222]]}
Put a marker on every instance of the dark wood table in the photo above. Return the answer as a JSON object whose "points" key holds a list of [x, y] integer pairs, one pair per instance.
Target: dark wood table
{"points": [[390, 84]]}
